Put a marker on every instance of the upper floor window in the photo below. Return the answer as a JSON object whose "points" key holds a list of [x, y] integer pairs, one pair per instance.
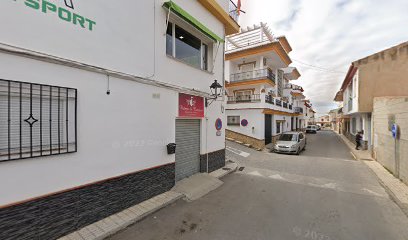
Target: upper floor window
{"points": [[233, 120], [186, 47]]}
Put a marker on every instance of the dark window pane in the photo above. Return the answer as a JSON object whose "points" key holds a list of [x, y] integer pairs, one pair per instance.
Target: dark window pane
{"points": [[169, 39], [188, 47]]}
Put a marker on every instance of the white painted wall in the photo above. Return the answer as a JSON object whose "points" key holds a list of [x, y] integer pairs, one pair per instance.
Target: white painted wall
{"points": [[124, 132], [122, 39], [256, 122]]}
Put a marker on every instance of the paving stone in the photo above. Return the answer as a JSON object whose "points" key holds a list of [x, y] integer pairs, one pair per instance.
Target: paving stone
{"points": [[86, 234], [75, 236], [95, 230]]}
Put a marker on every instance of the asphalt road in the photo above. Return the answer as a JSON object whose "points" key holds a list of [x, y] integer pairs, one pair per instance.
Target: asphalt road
{"points": [[323, 194]]}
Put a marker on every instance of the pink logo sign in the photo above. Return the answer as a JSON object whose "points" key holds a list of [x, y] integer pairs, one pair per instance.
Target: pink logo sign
{"points": [[191, 106]]}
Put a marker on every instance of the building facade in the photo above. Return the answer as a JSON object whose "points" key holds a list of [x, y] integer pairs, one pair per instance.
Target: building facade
{"points": [[379, 75], [93, 97], [262, 102]]}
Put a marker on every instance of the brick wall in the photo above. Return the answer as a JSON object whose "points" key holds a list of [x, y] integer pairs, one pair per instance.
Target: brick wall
{"points": [[392, 154], [257, 143], [216, 160], [56, 215]]}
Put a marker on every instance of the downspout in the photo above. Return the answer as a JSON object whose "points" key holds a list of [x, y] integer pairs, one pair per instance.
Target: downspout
{"points": [[154, 40], [206, 137]]}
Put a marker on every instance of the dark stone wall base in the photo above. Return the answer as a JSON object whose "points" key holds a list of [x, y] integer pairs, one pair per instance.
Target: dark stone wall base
{"points": [[216, 160], [56, 215]]}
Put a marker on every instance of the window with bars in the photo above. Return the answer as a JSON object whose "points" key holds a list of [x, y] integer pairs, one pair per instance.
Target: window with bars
{"points": [[233, 120], [36, 120]]}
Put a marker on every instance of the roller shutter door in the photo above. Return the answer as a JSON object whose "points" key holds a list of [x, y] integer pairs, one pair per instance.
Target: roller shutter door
{"points": [[188, 147]]}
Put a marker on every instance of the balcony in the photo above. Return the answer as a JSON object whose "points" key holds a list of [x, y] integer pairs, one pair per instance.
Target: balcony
{"points": [[285, 104], [293, 87], [298, 110], [269, 99], [244, 98], [253, 75], [278, 102]]}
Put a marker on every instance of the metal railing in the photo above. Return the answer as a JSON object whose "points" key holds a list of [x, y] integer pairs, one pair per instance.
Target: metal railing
{"points": [[298, 110], [252, 75], [292, 86], [278, 102], [269, 99], [244, 98]]}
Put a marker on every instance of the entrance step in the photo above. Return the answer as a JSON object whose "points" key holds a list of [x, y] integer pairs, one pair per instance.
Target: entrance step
{"points": [[197, 186]]}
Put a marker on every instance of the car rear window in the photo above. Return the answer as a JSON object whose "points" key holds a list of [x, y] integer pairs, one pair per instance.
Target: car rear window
{"points": [[288, 137]]}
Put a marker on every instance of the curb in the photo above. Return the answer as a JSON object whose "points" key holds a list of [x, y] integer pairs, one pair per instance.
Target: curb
{"points": [[229, 168], [352, 151], [403, 205], [121, 220], [392, 193], [243, 144]]}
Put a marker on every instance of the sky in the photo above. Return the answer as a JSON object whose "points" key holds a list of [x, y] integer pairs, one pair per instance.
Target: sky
{"points": [[327, 35]]}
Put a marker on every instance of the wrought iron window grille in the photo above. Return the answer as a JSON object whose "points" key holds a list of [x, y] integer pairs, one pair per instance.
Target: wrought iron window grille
{"points": [[36, 120]]}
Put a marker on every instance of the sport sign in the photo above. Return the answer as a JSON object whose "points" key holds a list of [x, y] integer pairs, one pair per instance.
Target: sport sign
{"points": [[62, 13]]}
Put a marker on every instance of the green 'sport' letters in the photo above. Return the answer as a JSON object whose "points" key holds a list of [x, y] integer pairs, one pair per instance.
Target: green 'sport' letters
{"points": [[63, 14]]}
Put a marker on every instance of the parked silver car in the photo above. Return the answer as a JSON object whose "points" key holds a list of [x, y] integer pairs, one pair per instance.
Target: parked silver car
{"points": [[311, 129], [290, 142]]}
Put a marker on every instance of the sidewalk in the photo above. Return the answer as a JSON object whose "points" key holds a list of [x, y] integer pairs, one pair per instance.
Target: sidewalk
{"points": [[357, 154], [395, 188], [114, 223]]}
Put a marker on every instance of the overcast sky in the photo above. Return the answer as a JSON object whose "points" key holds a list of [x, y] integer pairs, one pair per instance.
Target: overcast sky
{"points": [[330, 34]]}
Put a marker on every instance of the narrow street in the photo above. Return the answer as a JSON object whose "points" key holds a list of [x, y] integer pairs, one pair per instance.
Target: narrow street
{"points": [[323, 194]]}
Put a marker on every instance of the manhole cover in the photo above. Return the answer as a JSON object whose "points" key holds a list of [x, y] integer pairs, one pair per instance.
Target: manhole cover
{"points": [[241, 168]]}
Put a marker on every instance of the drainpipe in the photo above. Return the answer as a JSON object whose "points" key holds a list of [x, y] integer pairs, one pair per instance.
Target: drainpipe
{"points": [[206, 135]]}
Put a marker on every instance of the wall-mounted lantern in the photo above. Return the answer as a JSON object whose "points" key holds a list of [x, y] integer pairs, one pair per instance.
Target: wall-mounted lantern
{"points": [[216, 90]]}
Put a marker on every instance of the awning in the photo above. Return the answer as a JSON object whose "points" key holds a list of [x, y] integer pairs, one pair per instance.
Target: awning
{"points": [[191, 20]]}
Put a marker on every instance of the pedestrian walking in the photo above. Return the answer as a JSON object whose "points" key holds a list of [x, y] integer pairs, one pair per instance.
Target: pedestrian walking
{"points": [[359, 137]]}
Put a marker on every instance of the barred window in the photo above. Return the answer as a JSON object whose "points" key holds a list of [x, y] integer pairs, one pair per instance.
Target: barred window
{"points": [[36, 120], [233, 120]]}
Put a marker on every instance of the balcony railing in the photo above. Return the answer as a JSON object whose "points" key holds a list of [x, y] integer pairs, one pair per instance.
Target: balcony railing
{"points": [[253, 75], [269, 99], [232, 9], [244, 98], [298, 110], [292, 86], [278, 102]]}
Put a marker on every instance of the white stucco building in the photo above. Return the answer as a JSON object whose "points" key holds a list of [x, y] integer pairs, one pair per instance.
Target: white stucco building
{"points": [[91, 94], [262, 102]]}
